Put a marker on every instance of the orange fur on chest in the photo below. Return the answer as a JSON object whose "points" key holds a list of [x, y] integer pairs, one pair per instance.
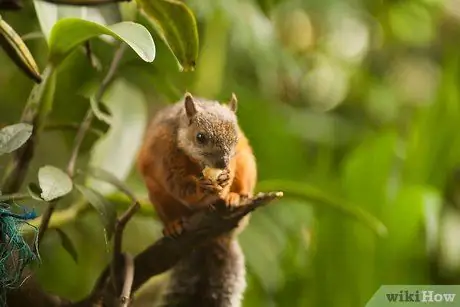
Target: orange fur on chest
{"points": [[158, 147]]}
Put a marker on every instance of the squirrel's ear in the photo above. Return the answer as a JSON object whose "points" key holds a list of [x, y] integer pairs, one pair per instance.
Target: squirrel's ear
{"points": [[233, 104], [190, 107]]}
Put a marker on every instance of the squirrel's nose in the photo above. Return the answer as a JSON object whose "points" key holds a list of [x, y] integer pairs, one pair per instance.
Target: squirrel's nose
{"points": [[221, 163]]}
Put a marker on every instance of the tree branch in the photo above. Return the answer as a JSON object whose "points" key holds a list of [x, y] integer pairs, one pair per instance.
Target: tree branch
{"points": [[117, 242], [166, 252], [46, 217], [125, 297]]}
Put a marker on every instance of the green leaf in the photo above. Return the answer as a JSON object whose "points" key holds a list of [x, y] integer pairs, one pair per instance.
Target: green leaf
{"points": [[17, 50], [117, 150], [105, 209], [69, 33], [54, 183], [49, 13], [67, 244], [176, 25], [317, 197], [35, 191], [108, 177], [14, 136]]}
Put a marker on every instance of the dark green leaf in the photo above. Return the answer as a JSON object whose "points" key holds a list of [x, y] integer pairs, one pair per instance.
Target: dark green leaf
{"points": [[67, 244], [176, 25], [105, 209], [54, 183], [17, 50], [35, 191], [14, 136], [69, 33]]}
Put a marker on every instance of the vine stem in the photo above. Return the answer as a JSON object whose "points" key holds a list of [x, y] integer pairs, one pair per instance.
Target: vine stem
{"points": [[86, 124]]}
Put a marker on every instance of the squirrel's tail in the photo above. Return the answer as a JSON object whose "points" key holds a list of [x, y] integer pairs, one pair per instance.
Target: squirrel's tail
{"points": [[213, 275]]}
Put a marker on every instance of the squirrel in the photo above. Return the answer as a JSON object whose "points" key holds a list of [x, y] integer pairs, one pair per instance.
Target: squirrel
{"points": [[182, 141]]}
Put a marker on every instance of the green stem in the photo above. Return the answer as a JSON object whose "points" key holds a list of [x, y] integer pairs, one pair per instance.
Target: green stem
{"points": [[37, 107], [15, 196]]}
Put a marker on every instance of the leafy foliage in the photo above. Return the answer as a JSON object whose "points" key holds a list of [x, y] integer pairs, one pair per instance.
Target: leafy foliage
{"points": [[351, 107]]}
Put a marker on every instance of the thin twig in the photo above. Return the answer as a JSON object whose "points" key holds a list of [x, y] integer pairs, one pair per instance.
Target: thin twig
{"points": [[91, 57], [71, 126], [46, 217], [118, 240], [125, 297], [32, 35], [85, 125]]}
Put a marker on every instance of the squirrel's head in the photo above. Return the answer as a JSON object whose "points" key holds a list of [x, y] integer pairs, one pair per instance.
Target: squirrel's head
{"points": [[208, 132]]}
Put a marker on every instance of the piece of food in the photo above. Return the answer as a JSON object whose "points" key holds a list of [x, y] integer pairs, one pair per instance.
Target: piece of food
{"points": [[212, 173]]}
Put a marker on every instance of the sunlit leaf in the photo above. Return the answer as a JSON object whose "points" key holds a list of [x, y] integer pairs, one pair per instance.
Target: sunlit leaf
{"points": [[105, 208], [68, 33], [17, 50], [54, 183], [176, 24], [67, 244], [49, 13], [117, 150], [14, 136]]}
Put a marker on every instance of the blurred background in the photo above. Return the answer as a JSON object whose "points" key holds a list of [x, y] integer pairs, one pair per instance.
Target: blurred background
{"points": [[355, 101]]}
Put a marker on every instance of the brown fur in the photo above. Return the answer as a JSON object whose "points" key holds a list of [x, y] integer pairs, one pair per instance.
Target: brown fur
{"points": [[171, 161]]}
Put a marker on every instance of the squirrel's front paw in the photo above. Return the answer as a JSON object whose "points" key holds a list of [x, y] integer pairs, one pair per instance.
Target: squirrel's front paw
{"points": [[224, 178], [174, 229], [208, 186], [234, 199]]}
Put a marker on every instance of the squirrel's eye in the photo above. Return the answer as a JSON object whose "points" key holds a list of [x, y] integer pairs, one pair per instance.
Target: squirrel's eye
{"points": [[201, 138]]}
